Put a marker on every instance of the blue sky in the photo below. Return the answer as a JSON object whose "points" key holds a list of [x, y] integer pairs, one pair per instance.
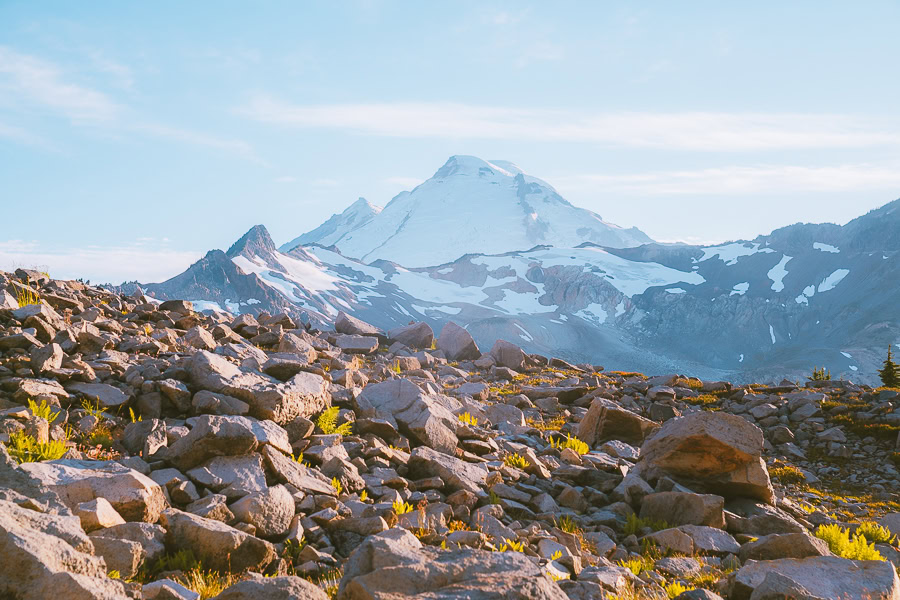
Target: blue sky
{"points": [[136, 136]]}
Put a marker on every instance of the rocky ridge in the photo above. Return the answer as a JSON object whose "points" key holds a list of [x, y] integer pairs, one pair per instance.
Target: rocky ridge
{"points": [[167, 453]]}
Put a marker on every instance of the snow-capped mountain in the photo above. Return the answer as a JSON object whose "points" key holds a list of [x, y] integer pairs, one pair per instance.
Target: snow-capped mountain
{"points": [[332, 231], [468, 206], [804, 295]]}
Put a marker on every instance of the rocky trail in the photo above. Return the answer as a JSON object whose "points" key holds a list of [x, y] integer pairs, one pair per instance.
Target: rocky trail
{"points": [[151, 451]]}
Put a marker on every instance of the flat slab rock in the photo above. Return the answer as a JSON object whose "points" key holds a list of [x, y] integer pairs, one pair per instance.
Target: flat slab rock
{"points": [[823, 577], [394, 565]]}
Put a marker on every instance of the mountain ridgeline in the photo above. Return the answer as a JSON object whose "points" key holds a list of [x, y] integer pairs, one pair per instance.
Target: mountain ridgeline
{"points": [[501, 253]]}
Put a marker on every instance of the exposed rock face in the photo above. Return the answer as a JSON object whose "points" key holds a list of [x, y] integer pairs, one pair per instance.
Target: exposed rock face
{"points": [[508, 355], [394, 564], [712, 452], [273, 588]]}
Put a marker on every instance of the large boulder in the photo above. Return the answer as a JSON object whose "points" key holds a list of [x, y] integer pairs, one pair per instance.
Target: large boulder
{"points": [[269, 510], [455, 473], [417, 335], [348, 325], [606, 421], [133, 495], [273, 588], [20, 487], [712, 452], [303, 395], [457, 343], [213, 435], [49, 556], [394, 564], [218, 546], [784, 545], [508, 355], [102, 394], [423, 417], [287, 470], [684, 508], [816, 577]]}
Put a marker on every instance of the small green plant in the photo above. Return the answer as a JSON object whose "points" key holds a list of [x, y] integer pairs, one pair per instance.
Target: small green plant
{"points": [[510, 545], [890, 372], [875, 533], [292, 549], [820, 374], [516, 461], [25, 448], [327, 422], [493, 498], [637, 564], [634, 525], [457, 525], [364, 496], [42, 410], [208, 584], [114, 574], [468, 419], [570, 442], [556, 555], [675, 589], [338, 487], [840, 543], [396, 367], [401, 508], [26, 296], [183, 560], [568, 524], [92, 410], [134, 418], [787, 474]]}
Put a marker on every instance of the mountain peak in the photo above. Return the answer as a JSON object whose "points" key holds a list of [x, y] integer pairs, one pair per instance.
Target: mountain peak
{"points": [[256, 241], [469, 206], [462, 164]]}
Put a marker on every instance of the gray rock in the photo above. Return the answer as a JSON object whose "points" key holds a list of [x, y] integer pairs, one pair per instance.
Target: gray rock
{"points": [[48, 556], [356, 344], [455, 473], [217, 545], [106, 395], [684, 508], [417, 335], [783, 545], [231, 476], [712, 452], [410, 410], [344, 323], [817, 577], [134, 496], [394, 564], [508, 355], [269, 510], [46, 358], [206, 402], [607, 421], [457, 343], [273, 588], [213, 436]]}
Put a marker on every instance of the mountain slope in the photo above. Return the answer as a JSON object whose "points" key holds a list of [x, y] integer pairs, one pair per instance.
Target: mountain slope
{"points": [[468, 206], [333, 230]]}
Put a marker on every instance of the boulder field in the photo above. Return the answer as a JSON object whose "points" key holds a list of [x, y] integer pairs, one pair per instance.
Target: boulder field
{"points": [[148, 450]]}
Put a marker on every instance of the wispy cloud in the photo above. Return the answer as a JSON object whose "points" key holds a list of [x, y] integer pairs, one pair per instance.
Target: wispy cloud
{"points": [[29, 81], [147, 260], [42, 83], [404, 182], [698, 131], [734, 180], [285, 179]]}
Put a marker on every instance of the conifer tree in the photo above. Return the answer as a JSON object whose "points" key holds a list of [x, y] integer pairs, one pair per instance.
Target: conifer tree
{"points": [[890, 373]]}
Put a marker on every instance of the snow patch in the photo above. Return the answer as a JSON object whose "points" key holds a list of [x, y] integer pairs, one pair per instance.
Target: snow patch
{"points": [[593, 312], [524, 335], [846, 355], [675, 290], [730, 253], [772, 333], [740, 289], [825, 247], [832, 280], [741, 359], [778, 272]]}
